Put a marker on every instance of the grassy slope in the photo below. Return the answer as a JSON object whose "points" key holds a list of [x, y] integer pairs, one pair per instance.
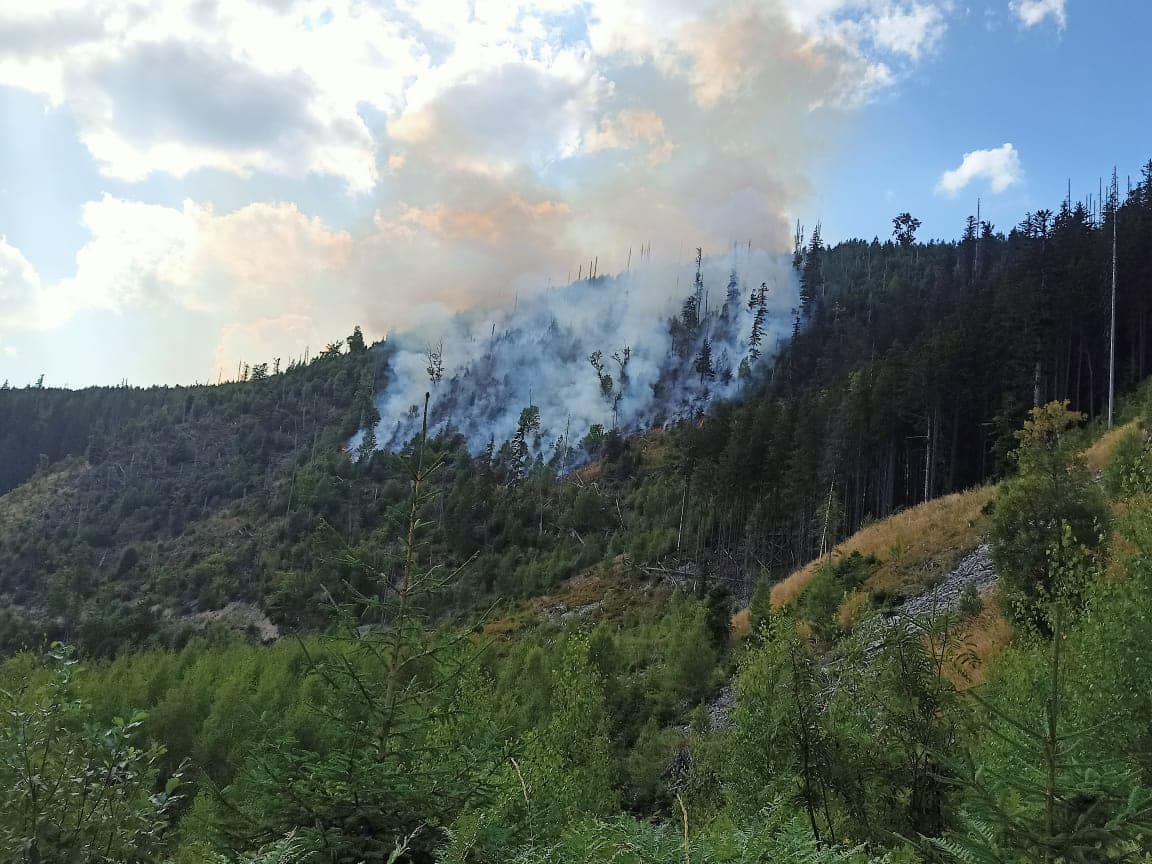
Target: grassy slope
{"points": [[918, 545], [912, 545], [921, 542], [1097, 456]]}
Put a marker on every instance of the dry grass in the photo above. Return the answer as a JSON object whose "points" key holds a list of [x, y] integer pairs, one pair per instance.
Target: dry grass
{"points": [[503, 628], [979, 639], [591, 471], [1097, 456], [604, 592], [741, 624], [855, 605], [907, 543]]}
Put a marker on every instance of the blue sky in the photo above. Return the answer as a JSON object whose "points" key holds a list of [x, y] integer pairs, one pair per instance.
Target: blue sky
{"points": [[188, 185], [1072, 101]]}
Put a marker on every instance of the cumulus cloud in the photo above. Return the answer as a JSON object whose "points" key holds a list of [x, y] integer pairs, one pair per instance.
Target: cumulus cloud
{"points": [[1033, 12], [20, 292], [269, 273], [280, 87], [1000, 166], [909, 30], [241, 87], [502, 145]]}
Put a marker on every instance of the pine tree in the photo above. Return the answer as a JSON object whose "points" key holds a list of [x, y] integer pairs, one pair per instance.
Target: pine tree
{"points": [[356, 341], [1044, 803], [368, 444], [435, 367], [904, 229], [596, 360], [732, 298], [364, 410], [622, 358], [758, 303], [529, 423], [690, 315], [698, 284], [812, 275], [388, 688]]}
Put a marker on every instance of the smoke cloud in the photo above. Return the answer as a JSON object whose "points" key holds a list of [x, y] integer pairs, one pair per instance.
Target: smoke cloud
{"points": [[433, 157], [625, 351]]}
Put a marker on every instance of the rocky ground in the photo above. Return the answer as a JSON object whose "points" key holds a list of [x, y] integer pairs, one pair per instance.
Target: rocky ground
{"points": [[974, 570]]}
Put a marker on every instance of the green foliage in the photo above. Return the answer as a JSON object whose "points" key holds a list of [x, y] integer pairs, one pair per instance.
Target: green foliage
{"points": [[970, 603], [1047, 521], [821, 600], [1039, 798], [402, 734], [392, 705], [689, 651], [647, 766], [287, 850], [72, 790], [172, 476], [776, 836], [760, 606], [563, 771], [1129, 470], [854, 743]]}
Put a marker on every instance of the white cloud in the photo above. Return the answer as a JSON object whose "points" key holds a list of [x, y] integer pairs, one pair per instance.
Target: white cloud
{"points": [[504, 142], [1000, 166], [906, 30], [241, 87], [1033, 12], [280, 87], [20, 293], [261, 263], [909, 30]]}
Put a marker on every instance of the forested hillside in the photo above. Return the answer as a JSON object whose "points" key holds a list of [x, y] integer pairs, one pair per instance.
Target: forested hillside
{"points": [[911, 366], [496, 657], [621, 721], [137, 503]]}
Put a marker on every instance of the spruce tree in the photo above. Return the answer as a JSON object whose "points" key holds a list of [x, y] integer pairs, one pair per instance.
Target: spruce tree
{"points": [[812, 275]]}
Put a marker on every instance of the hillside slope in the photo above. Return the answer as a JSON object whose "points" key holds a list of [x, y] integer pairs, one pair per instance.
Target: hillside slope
{"points": [[907, 373], [154, 503]]}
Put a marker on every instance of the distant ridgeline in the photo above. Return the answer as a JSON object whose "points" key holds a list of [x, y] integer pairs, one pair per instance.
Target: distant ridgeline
{"points": [[550, 375], [905, 375]]}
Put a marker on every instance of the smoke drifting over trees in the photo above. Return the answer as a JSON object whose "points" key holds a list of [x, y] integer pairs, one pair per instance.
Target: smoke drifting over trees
{"points": [[624, 351]]}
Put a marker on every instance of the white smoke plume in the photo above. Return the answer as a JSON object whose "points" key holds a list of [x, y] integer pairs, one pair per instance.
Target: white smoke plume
{"points": [[539, 352], [376, 163]]}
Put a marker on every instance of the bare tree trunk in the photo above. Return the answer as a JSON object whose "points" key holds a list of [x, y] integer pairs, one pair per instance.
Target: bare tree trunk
{"points": [[928, 440]]}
